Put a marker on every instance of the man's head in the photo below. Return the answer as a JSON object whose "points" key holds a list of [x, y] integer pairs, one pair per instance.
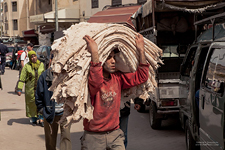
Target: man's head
{"points": [[1, 41], [110, 64], [30, 46]]}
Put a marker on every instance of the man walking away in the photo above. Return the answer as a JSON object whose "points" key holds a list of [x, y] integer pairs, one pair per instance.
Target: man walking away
{"points": [[24, 56], [3, 51], [124, 116], [14, 56], [52, 113]]}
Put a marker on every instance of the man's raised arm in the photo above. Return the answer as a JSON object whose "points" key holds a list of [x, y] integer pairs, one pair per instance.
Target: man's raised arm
{"points": [[95, 78], [92, 48], [140, 47]]}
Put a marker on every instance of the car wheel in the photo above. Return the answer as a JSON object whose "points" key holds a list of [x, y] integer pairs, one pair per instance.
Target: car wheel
{"points": [[155, 122], [190, 142]]}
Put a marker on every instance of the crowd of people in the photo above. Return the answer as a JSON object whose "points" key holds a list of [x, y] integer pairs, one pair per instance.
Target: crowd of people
{"points": [[108, 128]]}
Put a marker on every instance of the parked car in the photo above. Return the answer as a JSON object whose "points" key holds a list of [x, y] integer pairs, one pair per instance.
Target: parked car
{"points": [[43, 54], [9, 56], [203, 75], [35, 47]]}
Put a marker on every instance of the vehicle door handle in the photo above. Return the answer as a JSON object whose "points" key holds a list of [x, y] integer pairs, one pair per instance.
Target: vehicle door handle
{"points": [[203, 101]]}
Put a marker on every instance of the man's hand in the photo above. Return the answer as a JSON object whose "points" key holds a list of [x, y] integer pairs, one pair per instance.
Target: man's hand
{"points": [[137, 107], [91, 44], [92, 48], [22, 63], [139, 42], [18, 93]]}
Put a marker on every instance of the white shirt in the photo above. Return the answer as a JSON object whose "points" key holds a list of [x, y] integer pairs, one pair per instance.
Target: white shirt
{"points": [[24, 57]]}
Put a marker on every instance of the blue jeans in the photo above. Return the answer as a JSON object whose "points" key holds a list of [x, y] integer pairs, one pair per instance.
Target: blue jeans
{"points": [[34, 119], [3, 65], [123, 127]]}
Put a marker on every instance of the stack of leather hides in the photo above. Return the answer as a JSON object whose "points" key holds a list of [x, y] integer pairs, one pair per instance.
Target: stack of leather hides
{"points": [[71, 64]]}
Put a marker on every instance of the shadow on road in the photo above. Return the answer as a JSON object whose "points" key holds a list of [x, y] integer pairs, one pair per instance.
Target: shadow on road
{"points": [[13, 92], [1, 110], [20, 121], [75, 139]]}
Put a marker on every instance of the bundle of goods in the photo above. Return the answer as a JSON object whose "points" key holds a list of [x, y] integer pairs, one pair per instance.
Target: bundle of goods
{"points": [[71, 64], [19, 53]]}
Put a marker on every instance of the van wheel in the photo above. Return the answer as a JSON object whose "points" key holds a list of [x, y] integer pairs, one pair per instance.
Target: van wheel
{"points": [[190, 142], [155, 122]]}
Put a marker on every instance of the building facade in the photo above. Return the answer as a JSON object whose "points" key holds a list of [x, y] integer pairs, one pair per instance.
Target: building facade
{"points": [[26, 18]]}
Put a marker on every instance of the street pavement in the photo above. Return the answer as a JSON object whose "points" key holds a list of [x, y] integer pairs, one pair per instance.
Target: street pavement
{"points": [[18, 134]]}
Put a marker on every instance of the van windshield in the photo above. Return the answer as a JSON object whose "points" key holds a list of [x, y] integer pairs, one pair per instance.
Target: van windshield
{"points": [[171, 51]]}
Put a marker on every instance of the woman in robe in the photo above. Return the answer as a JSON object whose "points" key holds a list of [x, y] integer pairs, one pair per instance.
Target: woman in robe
{"points": [[29, 75]]}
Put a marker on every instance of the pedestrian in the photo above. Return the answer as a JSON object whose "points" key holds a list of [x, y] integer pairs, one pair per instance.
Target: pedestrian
{"points": [[23, 58], [14, 56], [29, 75], [0, 83], [105, 85], [52, 113], [3, 51], [124, 116], [139, 104], [125, 113]]}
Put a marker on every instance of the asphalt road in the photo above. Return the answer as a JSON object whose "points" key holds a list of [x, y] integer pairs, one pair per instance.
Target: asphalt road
{"points": [[18, 134]]}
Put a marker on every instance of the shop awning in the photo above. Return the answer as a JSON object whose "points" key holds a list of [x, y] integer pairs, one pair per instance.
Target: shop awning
{"points": [[115, 15], [190, 6], [29, 33], [46, 29]]}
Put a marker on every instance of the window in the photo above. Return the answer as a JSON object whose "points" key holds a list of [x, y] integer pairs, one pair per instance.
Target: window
{"points": [[94, 3], [14, 6], [44, 52], [171, 51], [215, 74], [38, 51], [15, 25], [6, 20], [141, 1], [39, 4], [6, 26], [5, 7], [116, 2], [188, 64]]}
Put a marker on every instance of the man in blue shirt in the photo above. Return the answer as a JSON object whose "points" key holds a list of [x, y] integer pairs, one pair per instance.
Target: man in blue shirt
{"points": [[52, 113], [3, 51]]}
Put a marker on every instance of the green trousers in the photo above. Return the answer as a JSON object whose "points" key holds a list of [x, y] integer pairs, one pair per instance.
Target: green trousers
{"points": [[51, 131]]}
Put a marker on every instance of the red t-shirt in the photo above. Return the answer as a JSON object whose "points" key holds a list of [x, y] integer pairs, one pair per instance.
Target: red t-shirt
{"points": [[105, 95]]}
